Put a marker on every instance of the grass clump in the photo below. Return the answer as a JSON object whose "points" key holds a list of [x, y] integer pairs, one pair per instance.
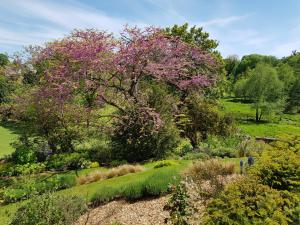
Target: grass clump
{"points": [[115, 172], [210, 168], [164, 163]]}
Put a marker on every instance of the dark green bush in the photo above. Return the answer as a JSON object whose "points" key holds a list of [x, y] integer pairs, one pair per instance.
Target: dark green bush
{"points": [[24, 151], [25, 189], [278, 168], [115, 163], [50, 210], [249, 202], [139, 135], [66, 161], [10, 169]]}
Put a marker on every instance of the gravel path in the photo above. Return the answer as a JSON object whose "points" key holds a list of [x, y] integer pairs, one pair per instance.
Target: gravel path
{"points": [[146, 212]]}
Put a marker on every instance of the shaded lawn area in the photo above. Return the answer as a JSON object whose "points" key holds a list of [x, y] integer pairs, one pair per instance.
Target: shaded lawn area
{"points": [[88, 190], [8, 133]]}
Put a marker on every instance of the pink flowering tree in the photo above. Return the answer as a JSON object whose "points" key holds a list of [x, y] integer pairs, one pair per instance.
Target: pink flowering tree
{"points": [[102, 69]]}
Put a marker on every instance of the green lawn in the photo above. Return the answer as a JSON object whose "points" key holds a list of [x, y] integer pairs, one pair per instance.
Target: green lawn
{"points": [[7, 135], [277, 125]]}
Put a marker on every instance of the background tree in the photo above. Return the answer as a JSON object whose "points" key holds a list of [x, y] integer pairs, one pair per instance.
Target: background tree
{"points": [[293, 99], [193, 35], [263, 88], [3, 59], [286, 75], [249, 62]]}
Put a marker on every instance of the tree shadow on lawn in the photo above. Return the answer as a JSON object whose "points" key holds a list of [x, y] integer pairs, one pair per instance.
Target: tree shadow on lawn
{"points": [[14, 127]]}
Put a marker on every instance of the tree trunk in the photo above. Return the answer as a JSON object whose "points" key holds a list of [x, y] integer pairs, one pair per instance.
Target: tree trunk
{"points": [[257, 115]]}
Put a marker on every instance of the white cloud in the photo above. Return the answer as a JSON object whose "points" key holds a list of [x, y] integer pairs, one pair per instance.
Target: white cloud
{"points": [[286, 48], [223, 21], [51, 20]]}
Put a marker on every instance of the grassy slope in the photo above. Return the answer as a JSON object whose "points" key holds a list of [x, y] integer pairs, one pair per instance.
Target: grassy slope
{"points": [[88, 190], [7, 135], [289, 124]]}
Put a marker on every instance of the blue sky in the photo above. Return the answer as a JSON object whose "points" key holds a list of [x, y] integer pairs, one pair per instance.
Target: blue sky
{"points": [[241, 26]]}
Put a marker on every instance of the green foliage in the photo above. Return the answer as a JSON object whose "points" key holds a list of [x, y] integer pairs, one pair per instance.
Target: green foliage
{"points": [[115, 163], [97, 149], [67, 161], [195, 155], [264, 89], [178, 205], [193, 35], [3, 59], [279, 168], [249, 202], [5, 89], [199, 118], [9, 169], [231, 64], [50, 210], [24, 189], [137, 138], [24, 151], [287, 75], [287, 142], [154, 185], [249, 62], [221, 146], [164, 163], [294, 97]]}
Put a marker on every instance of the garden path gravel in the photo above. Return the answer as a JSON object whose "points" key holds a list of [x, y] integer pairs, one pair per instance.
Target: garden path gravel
{"points": [[145, 212]]}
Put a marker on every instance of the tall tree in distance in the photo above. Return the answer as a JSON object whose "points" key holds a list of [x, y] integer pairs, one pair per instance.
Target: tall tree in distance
{"points": [[263, 88]]}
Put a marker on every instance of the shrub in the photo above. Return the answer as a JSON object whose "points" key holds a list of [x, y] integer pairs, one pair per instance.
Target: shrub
{"points": [[250, 148], [13, 195], [49, 210], [97, 150], [249, 202], [140, 134], [178, 206], [24, 151], [195, 155], [26, 188], [208, 177], [279, 169], [115, 163], [115, 172], [68, 161], [164, 163], [208, 169], [200, 118], [94, 165], [25, 169]]}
